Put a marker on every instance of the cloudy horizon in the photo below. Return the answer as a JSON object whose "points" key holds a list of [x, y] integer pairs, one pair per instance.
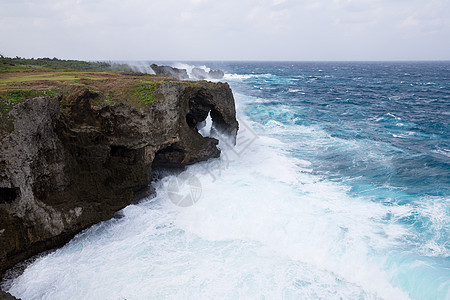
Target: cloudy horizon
{"points": [[171, 30]]}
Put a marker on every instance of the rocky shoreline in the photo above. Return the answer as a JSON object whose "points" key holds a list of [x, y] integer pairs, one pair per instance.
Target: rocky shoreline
{"points": [[67, 162]]}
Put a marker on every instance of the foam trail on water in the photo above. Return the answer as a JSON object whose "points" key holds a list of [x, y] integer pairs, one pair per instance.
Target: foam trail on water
{"points": [[241, 77]]}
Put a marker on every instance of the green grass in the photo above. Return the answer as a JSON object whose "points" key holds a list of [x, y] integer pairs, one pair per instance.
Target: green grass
{"points": [[10, 98], [58, 76], [21, 79], [111, 100], [197, 83], [146, 92], [9, 64]]}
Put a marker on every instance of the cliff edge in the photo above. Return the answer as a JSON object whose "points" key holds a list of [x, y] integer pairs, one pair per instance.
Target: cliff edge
{"points": [[73, 160]]}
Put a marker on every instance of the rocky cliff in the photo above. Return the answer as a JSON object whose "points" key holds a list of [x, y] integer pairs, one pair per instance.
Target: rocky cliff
{"points": [[69, 162], [182, 74]]}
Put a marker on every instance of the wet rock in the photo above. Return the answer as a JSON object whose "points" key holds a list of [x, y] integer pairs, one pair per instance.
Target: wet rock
{"points": [[6, 296], [180, 74]]}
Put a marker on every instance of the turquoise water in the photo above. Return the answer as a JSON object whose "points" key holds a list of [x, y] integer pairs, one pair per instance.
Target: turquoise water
{"points": [[383, 132], [338, 188]]}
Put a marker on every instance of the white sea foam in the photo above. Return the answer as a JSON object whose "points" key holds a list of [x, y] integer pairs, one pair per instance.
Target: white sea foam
{"points": [[240, 77], [445, 152], [189, 68], [237, 76], [435, 209], [263, 228], [298, 91], [204, 128], [393, 116]]}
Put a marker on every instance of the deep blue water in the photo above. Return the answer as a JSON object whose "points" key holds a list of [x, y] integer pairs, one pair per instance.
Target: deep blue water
{"points": [[387, 137], [398, 110], [343, 192]]}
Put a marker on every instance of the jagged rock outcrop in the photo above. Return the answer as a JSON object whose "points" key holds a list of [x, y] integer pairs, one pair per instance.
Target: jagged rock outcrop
{"points": [[216, 74], [66, 164], [199, 73], [180, 74]]}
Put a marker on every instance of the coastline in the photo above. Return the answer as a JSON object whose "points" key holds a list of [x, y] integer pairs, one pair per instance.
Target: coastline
{"points": [[72, 160]]}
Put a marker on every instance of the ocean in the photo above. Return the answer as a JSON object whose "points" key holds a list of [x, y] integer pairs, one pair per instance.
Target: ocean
{"points": [[338, 188]]}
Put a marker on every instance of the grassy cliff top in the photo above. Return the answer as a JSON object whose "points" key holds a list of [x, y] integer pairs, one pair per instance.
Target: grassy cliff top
{"points": [[22, 79], [17, 64]]}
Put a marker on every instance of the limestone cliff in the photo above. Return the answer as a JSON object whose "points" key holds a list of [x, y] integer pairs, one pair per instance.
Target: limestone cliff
{"points": [[67, 163]]}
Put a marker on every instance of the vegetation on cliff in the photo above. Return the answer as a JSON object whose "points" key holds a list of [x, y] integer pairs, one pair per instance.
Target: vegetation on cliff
{"points": [[89, 145], [10, 64], [22, 79]]}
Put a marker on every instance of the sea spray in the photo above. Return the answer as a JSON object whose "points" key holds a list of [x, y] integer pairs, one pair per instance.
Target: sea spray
{"points": [[260, 222], [141, 67]]}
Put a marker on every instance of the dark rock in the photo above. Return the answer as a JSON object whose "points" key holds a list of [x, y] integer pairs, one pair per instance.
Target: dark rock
{"points": [[180, 74], [6, 296], [201, 74], [65, 167], [216, 74]]}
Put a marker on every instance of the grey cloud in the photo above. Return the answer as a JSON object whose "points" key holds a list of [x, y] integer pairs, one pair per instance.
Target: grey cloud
{"points": [[220, 30]]}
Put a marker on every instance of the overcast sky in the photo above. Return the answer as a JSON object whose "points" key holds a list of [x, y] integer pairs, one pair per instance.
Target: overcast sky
{"points": [[226, 29]]}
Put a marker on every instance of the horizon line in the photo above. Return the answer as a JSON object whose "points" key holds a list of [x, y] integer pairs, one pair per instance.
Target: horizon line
{"points": [[238, 60], [275, 60]]}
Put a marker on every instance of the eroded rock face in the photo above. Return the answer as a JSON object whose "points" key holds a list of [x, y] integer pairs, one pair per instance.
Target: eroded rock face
{"points": [[65, 167]]}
